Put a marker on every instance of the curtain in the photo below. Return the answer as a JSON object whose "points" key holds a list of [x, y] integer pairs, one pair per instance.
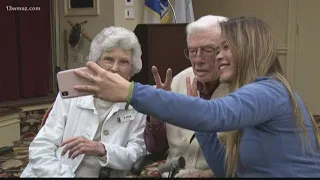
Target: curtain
{"points": [[9, 72], [35, 43], [25, 69]]}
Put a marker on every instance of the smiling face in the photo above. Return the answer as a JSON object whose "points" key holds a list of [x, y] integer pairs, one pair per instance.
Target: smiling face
{"points": [[118, 61], [226, 63], [203, 64]]}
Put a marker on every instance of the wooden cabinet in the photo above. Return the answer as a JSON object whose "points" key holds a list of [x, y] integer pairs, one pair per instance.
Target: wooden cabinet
{"points": [[162, 45]]}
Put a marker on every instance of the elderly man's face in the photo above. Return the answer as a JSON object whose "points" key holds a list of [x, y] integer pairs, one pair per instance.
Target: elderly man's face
{"points": [[203, 63], [118, 61]]}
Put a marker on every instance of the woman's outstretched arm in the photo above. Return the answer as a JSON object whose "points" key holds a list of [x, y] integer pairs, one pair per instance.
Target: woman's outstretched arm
{"points": [[250, 105]]}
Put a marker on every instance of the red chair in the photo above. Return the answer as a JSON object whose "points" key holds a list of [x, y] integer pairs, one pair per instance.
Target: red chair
{"points": [[45, 116]]}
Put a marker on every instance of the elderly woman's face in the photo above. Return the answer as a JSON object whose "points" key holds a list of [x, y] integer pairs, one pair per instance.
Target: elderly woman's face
{"points": [[117, 61]]}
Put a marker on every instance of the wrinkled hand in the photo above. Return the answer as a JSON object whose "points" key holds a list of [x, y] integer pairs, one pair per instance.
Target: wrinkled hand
{"points": [[193, 173], [165, 86], [167, 82], [192, 90], [107, 86], [80, 145]]}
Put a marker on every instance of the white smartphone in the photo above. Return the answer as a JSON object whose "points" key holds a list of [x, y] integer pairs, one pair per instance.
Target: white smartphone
{"points": [[67, 79]]}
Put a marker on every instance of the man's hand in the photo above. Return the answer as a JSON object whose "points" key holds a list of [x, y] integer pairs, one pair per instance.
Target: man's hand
{"points": [[192, 90], [167, 83], [193, 173], [80, 145]]}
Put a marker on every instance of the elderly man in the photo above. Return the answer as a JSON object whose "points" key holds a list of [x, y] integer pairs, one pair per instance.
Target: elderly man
{"points": [[159, 136]]}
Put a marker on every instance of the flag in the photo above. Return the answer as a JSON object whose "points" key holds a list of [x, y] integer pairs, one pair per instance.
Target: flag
{"points": [[184, 11], [156, 11]]}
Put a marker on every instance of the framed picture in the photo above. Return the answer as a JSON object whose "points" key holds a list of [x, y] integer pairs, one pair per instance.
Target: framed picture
{"points": [[81, 7]]}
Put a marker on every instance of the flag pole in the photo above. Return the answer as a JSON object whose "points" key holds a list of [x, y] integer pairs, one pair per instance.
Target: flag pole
{"points": [[174, 13]]}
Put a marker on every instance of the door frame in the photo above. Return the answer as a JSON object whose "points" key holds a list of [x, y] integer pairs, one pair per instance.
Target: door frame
{"points": [[292, 41], [55, 45]]}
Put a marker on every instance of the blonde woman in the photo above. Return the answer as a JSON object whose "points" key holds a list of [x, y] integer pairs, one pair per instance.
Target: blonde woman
{"points": [[272, 134], [160, 136]]}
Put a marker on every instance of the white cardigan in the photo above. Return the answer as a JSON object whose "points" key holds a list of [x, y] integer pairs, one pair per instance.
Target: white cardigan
{"points": [[121, 134], [179, 138]]}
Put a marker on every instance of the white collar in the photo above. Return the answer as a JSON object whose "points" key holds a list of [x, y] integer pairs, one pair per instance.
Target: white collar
{"points": [[87, 102]]}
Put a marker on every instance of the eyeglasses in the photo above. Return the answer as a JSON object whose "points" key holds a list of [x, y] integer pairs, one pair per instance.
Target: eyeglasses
{"points": [[108, 61], [191, 53]]}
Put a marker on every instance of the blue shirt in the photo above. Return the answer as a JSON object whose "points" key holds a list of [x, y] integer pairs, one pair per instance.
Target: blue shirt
{"points": [[270, 145]]}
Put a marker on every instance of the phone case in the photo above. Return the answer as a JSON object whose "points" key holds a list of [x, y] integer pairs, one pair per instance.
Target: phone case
{"points": [[67, 79]]}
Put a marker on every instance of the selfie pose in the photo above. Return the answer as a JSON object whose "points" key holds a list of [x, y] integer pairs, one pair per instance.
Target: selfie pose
{"points": [[83, 134], [271, 131]]}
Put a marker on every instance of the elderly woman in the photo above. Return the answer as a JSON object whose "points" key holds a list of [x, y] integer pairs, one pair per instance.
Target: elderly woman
{"points": [[83, 134]]}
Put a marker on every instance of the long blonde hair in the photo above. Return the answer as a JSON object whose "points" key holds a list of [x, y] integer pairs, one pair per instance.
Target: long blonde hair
{"points": [[253, 46]]}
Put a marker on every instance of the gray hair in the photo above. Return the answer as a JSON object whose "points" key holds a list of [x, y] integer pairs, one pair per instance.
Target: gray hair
{"points": [[112, 37], [208, 22]]}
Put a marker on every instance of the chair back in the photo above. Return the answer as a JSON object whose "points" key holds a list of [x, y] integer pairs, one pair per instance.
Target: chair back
{"points": [[45, 116]]}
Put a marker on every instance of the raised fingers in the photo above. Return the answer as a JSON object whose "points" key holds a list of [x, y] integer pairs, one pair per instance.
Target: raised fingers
{"points": [[188, 85], [194, 86], [191, 89], [168, 80], [156, 76]]}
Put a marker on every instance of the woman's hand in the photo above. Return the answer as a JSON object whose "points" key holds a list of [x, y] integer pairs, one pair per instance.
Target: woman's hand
{"points": [[157, 79], [106, 85], [80, 145]]}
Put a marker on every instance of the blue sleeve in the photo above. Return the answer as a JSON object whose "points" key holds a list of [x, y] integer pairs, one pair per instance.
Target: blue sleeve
{"points": [[250, 105], [213, 151]]}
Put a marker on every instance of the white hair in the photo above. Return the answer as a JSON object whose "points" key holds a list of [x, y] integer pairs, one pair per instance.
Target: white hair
{"points": [[208, 22], [116, 37]]}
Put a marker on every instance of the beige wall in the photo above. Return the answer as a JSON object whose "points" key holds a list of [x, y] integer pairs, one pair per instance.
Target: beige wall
{"points": [[119, 19], [94, 25], [274, 12], [111, 14]]}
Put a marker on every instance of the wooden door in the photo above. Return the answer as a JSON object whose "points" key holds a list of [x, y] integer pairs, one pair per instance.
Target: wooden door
{"points": [[307, 75]]}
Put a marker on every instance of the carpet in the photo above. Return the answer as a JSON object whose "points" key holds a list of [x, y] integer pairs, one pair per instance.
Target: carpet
{"points": [[14, 161]]}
